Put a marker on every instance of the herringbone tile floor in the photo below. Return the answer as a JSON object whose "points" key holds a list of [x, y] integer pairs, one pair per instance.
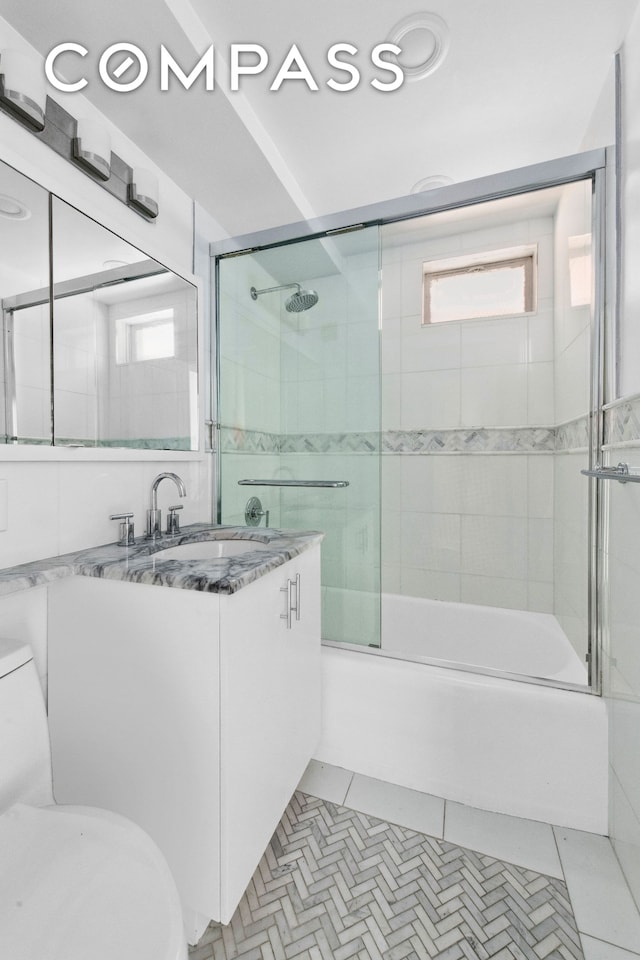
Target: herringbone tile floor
{"points": [[336, 884]]}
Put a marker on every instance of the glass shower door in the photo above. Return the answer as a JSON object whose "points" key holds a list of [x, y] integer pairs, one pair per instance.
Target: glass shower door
{"points": [[299, 410]]}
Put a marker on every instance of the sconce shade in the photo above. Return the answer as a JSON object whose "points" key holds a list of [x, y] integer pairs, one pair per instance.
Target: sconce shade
{"points": [[142, 192], [92, 147], [23, 89]]}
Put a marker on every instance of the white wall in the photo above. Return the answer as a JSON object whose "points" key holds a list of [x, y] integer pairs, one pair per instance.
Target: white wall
{"points": [[622, 673], [630, 328]]}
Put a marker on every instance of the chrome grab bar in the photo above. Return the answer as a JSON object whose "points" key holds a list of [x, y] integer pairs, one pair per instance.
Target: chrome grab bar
{"points": [[293, 483], [619, 473]]}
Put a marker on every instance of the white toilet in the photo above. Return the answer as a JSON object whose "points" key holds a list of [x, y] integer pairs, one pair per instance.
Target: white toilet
{"points": [[76, 883]]}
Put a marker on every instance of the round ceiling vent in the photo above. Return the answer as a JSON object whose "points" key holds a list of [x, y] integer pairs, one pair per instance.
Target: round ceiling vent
{"points": [[112, 264], [424, 41], [12, 209], [430, 183]]}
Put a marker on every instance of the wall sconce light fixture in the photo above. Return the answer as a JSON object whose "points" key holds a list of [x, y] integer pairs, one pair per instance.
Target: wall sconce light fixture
{"points": [[92, 147], [85, 142], [23, 89], [142, 192]]}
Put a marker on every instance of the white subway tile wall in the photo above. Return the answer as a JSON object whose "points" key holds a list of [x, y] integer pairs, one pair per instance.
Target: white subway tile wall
{"points": [[480, 527]]}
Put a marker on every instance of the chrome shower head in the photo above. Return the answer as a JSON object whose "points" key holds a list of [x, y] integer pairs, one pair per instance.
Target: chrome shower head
{"points": [[301, 300], [297, 302]]}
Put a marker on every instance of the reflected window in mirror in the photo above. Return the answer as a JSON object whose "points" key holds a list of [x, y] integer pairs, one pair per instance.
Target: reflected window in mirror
{"points": [[125, 337], [99, 343], [147, 336]]}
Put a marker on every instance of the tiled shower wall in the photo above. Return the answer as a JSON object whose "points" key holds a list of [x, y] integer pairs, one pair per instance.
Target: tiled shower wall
{"points": [[249, 386], [572, 379], [81, 364], [154, 399], [472, 509], [32, 374], [475, 527], [300, 400]]}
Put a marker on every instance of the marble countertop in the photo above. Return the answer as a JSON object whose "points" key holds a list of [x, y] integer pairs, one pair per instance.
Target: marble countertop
{"points": [[138, 562]]}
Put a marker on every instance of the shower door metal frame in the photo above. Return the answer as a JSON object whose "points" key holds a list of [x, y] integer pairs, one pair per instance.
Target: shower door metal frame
{"points": [[595, 165]]}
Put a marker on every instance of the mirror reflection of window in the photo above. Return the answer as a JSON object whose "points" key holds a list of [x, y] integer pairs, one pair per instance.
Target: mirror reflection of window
{"points": [[151, 337], [580, 270], [154, 405], [137, 385]]}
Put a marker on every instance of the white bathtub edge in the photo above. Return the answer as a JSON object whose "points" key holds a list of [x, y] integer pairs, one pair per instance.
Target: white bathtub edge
{"points": [[509, 747]]}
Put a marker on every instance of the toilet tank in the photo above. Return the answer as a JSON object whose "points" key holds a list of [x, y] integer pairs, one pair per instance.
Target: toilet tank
{"points": [[25, 754]]}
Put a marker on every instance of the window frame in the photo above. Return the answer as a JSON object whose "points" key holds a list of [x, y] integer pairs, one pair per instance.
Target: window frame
{"points": [[481, 264], [126, 348]]}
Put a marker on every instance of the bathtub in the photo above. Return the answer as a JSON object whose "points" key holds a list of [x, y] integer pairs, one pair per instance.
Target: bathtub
{"points": [[500, 744], [490, 638]]}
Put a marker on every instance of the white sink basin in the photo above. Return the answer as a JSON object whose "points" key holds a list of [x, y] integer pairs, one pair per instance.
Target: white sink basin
{"points": [[209, 549]]}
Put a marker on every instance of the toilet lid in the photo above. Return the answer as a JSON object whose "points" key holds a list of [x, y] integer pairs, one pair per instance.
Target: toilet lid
{"points": [[79, 883]]}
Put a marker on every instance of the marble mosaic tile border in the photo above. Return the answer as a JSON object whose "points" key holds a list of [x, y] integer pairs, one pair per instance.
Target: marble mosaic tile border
{"points": [[135, 443], [573, 435], [568, 436], [520, 440], [237, 440], [622, 421]]}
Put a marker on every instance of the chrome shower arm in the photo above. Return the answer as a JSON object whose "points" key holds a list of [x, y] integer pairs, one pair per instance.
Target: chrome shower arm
{"points": [[283, 286]]}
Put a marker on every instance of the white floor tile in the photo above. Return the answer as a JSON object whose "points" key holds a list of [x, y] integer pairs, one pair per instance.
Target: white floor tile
{"points": [[601, 900], [599, 950], [326, 781], [399, 805], [527, 843]]}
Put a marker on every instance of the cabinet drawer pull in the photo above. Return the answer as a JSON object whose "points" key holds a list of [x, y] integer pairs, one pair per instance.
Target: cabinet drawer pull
{"points": [[287, 614], [292, 607]]}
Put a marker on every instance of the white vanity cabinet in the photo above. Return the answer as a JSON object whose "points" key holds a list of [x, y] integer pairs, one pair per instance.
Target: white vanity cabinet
{"points": [[269, 709], [194, 714]]}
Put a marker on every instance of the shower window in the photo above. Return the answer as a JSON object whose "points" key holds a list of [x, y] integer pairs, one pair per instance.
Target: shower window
{"points": [[498, 284]]}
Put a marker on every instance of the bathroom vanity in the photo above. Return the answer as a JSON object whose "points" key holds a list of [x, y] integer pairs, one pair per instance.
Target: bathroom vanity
{"points": [[195, 710]]}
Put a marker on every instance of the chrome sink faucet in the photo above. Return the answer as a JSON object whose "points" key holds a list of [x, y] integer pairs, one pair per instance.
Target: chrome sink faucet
{"points": [[154, 516]]}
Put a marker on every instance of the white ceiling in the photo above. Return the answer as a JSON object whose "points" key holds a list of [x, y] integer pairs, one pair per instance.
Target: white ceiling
{"points": [[518, 86]]}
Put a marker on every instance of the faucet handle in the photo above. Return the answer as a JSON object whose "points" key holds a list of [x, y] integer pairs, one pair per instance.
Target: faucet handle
{"points": [[126, 528], [173, 520]]}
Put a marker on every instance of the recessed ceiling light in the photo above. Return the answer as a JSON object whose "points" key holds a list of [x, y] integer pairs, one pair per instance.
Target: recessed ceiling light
{"points": [[112, 264], [430, 183], [424, 40], [12, 209]]}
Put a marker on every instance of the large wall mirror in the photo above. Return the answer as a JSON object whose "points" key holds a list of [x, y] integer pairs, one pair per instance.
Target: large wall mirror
{"points": [[100, 343]]}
